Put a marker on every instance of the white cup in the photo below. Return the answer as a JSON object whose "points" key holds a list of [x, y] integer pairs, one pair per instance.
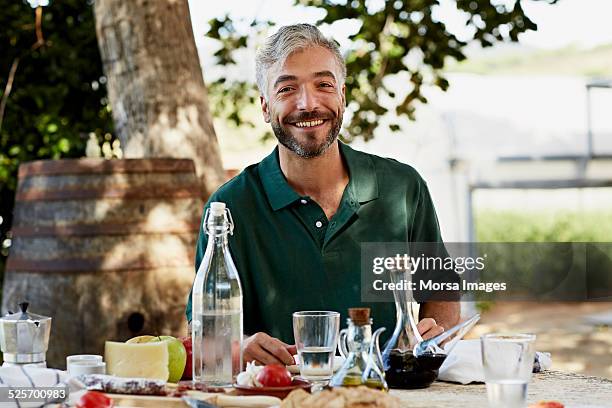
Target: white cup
{"points": [[85, 364]]}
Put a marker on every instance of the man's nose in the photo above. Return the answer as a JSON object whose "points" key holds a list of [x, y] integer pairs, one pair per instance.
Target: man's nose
{"points": [[307, 100]]}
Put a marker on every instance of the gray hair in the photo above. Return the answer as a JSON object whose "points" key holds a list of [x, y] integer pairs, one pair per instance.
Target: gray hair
{"points": [[288, 40]]}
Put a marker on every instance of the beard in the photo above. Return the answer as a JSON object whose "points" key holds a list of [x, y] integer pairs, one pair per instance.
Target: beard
{"points": [[307, 149]]}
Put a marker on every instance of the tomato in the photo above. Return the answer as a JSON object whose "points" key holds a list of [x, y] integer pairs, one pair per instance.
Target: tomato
{"points": [[547, 404], [94, 399], [187, 372], [274, 375]]}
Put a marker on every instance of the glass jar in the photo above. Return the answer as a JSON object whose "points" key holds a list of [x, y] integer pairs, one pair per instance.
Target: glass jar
{"points": [[360, 348]]}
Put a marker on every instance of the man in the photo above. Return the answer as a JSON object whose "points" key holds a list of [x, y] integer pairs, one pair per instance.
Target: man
{"points": [[302, 212]]}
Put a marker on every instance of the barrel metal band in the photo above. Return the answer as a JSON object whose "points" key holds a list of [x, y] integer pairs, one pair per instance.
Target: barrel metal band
{"points": [[96, 264], [101, 166], [177, 227], [85, 194]]}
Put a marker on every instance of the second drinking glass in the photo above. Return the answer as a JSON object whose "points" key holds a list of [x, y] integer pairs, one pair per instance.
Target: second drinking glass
{"points": [[316, 338], [508, 363]]}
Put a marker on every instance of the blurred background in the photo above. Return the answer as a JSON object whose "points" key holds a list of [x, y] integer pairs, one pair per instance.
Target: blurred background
{"points": [[517, 149], [502, 106]]}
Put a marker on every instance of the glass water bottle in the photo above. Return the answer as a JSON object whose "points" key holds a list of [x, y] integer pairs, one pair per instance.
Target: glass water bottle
{"points": [[217, 305]]}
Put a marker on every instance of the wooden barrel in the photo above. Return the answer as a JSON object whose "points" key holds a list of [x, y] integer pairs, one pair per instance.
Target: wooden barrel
{"points": [[104, 247]]}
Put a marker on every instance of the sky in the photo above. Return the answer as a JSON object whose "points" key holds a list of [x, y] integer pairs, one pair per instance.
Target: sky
{"points": [[580, 23], [584, 23]]}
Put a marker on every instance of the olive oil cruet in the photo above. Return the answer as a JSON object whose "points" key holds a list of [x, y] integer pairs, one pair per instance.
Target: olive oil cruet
{"points": [[360, 348]]}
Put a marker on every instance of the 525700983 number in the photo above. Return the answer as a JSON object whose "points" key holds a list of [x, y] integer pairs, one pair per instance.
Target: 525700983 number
{"points": [[33, 394]]}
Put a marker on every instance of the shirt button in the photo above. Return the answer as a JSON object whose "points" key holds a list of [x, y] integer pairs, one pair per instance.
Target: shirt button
{"points": [[319, 224], [303, 201]]}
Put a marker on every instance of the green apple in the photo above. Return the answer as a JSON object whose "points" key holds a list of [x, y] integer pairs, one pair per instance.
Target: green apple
{"points": [[142, 339], [177, 357], [177, 354]]}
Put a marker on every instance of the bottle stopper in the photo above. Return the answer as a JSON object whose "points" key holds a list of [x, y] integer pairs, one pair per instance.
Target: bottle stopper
{"points": [[359, 315], [217, 208]]}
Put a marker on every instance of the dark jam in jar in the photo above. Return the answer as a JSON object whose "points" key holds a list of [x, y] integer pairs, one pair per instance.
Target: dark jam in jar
{"points": [[407, 371]]}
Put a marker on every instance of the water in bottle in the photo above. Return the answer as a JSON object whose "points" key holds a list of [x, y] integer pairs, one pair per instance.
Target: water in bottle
{"points": [[217, 305]]}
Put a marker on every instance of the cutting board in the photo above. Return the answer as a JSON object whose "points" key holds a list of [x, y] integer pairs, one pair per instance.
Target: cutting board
{"points": [[146, 401], [221, 400]]}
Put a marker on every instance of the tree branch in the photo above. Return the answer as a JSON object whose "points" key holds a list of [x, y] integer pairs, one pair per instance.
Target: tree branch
{"points": [[40, 41], [39, 34], [7, 89]]}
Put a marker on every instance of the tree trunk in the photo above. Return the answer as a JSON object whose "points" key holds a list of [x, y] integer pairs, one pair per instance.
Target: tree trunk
{"points": [[155, 84]]}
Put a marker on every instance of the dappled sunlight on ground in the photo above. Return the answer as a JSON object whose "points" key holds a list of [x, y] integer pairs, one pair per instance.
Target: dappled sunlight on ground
{"points": [[561, 330]]}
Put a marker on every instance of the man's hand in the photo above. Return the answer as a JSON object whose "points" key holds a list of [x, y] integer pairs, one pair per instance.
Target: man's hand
{"points": [[435, 316], [428, 328], [265, 349]]}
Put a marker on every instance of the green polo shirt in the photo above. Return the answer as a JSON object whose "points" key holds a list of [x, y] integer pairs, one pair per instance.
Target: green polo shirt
{"points": [[290, 257]]}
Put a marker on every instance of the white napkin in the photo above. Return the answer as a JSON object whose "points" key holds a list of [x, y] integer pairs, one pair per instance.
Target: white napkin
{"points": [[464, 363], [31, 377]]}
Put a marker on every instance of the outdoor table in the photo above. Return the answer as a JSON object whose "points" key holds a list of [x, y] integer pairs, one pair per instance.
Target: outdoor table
{"points": [[573, 390]]}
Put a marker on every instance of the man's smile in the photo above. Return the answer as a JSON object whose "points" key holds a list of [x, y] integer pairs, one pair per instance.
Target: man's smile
{"points": [[309, 124]]}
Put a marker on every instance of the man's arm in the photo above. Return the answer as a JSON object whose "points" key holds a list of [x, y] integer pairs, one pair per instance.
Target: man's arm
{"points": [[435, 317]]}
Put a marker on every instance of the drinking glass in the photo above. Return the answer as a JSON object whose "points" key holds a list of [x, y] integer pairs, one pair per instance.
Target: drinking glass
{"points": [[508, 363], [316, 338]]}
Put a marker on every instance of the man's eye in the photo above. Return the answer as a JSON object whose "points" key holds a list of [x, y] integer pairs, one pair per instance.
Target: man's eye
{"points": [[326, 84], [284, 89]]}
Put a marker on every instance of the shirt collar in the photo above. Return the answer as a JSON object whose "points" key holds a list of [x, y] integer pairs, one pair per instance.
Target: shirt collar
{"points": [[362, 173], [279, 192]]}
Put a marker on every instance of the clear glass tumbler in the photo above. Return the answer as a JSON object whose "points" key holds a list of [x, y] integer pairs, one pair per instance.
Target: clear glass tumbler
{"points": [[508, 363], [316, 338]]}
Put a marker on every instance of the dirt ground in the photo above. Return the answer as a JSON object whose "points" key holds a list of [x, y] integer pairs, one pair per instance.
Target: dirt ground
{"points": [[562, 329]]}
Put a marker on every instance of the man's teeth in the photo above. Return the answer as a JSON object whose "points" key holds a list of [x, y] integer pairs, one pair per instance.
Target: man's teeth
{"points": [[309, 124]]}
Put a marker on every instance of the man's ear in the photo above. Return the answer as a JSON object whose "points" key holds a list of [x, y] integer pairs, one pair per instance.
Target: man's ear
{"points": [[264, 108], [344, 95]]}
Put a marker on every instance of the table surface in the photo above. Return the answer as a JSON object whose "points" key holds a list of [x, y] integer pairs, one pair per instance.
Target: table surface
{"points": [[573, 390]]}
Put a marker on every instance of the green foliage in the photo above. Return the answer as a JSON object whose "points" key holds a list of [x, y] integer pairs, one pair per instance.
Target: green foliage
{"points": [[524, 265], [543, 226], [386, 37], [484, 306], [594, 62], [58, 94]]}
